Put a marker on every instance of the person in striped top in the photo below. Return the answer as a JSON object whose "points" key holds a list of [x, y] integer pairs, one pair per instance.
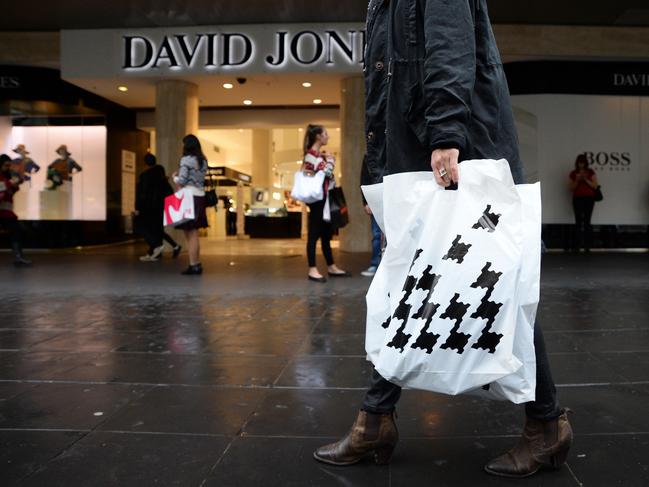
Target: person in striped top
{"points": [[315, 159]]}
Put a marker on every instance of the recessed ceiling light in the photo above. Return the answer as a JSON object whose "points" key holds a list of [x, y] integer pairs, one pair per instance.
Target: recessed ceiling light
{"points": [[247, 102], [317, 101], [306, 84], [122, 88], [228, 86]]}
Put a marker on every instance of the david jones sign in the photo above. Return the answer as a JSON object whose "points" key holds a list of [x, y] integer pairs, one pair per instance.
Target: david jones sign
{"points": [[280, 49]]}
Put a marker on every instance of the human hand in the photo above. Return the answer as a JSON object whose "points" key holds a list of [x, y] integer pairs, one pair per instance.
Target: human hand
{"points": [[368, 210], [445, 167]]}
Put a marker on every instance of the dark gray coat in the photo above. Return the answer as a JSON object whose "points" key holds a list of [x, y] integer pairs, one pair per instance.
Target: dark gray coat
{"points": [[434, 79]]}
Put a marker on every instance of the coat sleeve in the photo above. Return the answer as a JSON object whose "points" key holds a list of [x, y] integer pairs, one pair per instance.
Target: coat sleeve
{"points": [[365, 177], [449, 71]]}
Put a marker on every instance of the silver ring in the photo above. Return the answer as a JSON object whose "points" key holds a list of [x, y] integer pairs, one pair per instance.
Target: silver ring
{"points": [[442, 173]]}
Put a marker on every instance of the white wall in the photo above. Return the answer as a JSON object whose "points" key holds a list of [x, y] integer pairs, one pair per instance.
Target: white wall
{"points": [[554, 129]]}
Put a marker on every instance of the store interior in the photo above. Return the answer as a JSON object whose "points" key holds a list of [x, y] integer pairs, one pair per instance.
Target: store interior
{"points": [[270, 156]]}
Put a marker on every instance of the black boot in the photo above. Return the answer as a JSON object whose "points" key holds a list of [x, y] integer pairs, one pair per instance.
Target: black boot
{"points": [[20, 261], [193, 270]]}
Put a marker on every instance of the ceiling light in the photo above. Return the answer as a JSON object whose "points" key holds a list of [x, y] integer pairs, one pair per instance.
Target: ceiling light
{"points": [[228, 86], [123, 89], [247, 102], [306, 84], [317, 101]]}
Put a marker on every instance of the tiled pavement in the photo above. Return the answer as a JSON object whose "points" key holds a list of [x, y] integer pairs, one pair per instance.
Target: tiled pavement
{"points": [[117, 373]]}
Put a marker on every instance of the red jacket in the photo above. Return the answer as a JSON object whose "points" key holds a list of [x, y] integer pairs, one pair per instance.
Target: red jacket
{"points": [[7, 190]]}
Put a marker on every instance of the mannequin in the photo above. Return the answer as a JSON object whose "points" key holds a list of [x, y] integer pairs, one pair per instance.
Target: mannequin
{"points": [[62, 169], [24, 166]]}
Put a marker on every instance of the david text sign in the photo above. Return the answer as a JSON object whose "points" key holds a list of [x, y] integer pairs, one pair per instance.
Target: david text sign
{"points": [[244, 49]]}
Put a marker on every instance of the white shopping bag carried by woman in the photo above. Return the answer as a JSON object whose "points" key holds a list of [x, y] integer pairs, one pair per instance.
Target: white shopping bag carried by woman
{"points": [[452, 306], [179, 208], [308, 189]]}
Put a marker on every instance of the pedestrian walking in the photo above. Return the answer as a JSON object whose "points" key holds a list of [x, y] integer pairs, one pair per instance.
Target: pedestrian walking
{"points": [[583, 185], [436, 93], [9, 186], [191, 175], [152, 188], [377, 234], [319, 227]]}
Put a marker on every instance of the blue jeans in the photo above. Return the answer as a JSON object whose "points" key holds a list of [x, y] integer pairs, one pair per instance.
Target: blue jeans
{"points": [[376, 244]]}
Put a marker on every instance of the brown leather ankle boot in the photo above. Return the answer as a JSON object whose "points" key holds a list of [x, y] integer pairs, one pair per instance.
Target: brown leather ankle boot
{"points": [[543, 444], [375, 433]]}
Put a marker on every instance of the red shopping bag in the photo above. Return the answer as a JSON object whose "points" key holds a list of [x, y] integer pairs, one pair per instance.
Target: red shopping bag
{"points": [[179, 208]]}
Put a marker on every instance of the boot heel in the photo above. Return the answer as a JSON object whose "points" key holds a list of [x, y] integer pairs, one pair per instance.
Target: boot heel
{"points": [[559, 458], [383, 455]]}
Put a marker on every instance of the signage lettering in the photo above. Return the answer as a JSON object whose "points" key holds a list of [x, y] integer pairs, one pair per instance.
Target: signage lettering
{"points": [[227, 49], [634, 79], [612, 160], [213, 50], [9, 82]]}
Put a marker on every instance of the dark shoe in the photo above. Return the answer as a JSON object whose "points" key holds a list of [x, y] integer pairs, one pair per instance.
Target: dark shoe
{"points": [[370, 433], [193, 270], [542, 444], [176, 251], [340, 274], [22, 262], [317, 279]]}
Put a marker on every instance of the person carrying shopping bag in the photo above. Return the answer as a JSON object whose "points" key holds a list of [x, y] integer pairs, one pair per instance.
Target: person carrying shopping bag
{"points": [[191, 176], [436, 93], [315, 160]]}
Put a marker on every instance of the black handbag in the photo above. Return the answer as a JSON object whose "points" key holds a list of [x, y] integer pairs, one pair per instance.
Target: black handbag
{"points": [[210, 195], [338, 208], [598, 194], [210, 198]]}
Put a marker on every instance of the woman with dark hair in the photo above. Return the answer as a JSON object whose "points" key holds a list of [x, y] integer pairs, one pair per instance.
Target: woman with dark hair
{"points": [[193, 166], [583, 185], [315, 160]]}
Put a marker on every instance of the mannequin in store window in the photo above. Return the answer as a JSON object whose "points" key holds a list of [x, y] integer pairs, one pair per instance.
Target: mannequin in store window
{"points": [[62, 169], [23, 165], [315, 160]]}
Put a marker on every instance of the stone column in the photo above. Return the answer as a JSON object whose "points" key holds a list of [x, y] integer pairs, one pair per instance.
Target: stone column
{"points": [[176, 115], [261, 158], [355, 237], [241, 215]]}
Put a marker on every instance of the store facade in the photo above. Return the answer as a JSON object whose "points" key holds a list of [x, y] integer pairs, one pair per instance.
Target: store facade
{"points": [[248, 91]]}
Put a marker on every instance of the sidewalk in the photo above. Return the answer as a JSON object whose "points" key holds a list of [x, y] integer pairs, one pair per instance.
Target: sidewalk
{"points": [[120, 373]]}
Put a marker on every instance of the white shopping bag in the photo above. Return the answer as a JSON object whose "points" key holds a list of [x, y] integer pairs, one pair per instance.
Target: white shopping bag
{"points": [[179, 208], [452, 306], [308, 189]]}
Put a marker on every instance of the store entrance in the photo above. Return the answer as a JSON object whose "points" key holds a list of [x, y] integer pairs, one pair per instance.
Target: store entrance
{"points": [[252, 172]]}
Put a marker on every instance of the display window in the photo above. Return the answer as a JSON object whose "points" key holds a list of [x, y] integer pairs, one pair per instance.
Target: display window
{"points": [[62, 167]]}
